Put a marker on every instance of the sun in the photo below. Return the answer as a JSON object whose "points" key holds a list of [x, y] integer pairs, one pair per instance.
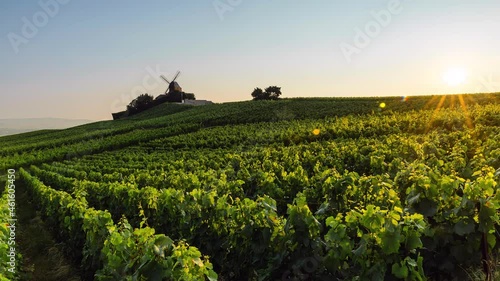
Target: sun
{"points": [[455, 76]]}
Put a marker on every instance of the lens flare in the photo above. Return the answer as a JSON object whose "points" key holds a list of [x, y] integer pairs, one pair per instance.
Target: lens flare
{"points": [[382, 105]]}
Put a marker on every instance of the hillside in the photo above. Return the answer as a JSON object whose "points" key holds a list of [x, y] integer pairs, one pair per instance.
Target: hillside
{"points": [[316, 188], [172, 119]]}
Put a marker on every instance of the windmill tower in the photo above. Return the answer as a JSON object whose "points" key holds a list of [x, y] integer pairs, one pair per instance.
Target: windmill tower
{"points": [[174, 91], [172, 86]]}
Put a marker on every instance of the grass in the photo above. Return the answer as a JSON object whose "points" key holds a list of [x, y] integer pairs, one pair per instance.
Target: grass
{"points": [[43, 257], [477, 274]]}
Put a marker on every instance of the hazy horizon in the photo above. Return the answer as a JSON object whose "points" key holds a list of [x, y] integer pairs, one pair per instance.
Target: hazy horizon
{"points": [[76, 59], [23, 125]]}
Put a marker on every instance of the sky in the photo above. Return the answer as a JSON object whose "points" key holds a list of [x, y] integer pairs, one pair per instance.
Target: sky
{"points": [[84, 59]]}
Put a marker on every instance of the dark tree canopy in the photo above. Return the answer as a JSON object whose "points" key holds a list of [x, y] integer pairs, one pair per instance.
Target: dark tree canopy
{"points": [[270, 93], [274, 92], [258, 94], [189, 96], [140, 103]]}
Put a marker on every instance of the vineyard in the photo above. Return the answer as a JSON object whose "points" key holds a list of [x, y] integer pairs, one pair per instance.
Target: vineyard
{"points": [[300, 189]]}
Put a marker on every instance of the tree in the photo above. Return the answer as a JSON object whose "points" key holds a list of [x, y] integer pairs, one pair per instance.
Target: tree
{"points": [[140, 103], [189, 96], [270, 93], [258, 94], [273, 92]]}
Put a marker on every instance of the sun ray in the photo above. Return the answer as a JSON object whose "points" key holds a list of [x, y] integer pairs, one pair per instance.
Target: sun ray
{"points": [[452, 101], [438, 107], [431, 101], [469, 98], [468, 120]]}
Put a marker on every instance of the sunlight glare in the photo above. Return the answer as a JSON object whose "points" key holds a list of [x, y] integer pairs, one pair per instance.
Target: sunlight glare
{"points": [[455, 76]]}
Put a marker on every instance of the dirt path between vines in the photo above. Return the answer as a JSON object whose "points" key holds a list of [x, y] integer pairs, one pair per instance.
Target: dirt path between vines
{"points": [[43, 257]]}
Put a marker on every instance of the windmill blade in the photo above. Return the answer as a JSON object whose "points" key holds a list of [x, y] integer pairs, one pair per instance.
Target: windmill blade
{"points": [[176, 75], [163, 77]]}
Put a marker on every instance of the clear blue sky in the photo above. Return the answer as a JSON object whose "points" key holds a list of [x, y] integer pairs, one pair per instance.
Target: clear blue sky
{"points": [[91, 57]]}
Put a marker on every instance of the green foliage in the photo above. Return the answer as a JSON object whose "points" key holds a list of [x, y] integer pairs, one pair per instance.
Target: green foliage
{"points": [[134, 254], [375, 240], [169, 119], [5, 244], [300, 193], [117, 252]]}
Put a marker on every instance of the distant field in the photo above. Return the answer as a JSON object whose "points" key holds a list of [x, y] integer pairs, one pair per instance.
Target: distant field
{"points": [[314, 189], [18, 126]]}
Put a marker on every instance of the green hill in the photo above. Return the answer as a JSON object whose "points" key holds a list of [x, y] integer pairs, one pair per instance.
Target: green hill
{"points": [[311, 188], [172, 119]]}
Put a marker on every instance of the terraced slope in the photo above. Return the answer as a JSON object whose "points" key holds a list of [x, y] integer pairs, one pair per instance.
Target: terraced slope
{"points": [[317, 189]]}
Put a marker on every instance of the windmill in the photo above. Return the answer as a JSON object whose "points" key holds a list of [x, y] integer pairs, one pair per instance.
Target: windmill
{"points": [[172, 86], [173, 93]]}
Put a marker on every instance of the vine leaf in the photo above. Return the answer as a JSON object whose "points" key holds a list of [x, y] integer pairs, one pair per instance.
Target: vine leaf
{"points": [[464, 227], [400, 271]]}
